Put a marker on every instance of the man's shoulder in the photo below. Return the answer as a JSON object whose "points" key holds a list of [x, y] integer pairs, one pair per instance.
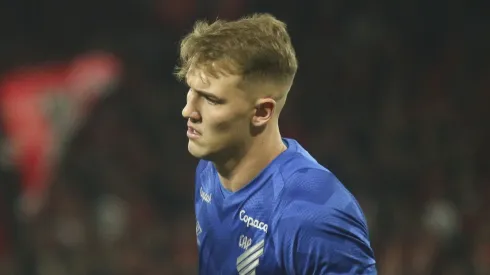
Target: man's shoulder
{"points": [[313, 183], [297, 159], [306, 184], [313, 201], [316, 194]]}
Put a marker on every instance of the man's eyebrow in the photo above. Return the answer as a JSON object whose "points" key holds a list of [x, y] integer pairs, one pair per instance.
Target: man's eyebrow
{"points": [[205, 94]]}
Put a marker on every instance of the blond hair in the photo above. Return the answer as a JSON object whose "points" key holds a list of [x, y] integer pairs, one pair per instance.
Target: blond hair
{"points": [[255, 47]]}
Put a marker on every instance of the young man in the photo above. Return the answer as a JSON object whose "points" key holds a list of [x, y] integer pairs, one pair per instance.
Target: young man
{"points": [[263, 204]]}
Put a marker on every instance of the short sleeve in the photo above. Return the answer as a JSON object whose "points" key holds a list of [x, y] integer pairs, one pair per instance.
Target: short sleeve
{"points": [[322, 230]]}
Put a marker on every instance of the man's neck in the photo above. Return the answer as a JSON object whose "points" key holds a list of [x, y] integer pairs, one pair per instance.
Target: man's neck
{"points": [[238, 171]]}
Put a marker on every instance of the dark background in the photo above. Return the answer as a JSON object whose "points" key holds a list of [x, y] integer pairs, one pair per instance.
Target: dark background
{"points": [[392, 96]]}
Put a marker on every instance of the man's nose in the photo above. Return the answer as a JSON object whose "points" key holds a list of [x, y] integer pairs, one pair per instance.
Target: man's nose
{"points": [[190, 111]]}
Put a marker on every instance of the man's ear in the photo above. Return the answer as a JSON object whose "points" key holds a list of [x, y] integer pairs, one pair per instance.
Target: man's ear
{"points": [[264, 110]]}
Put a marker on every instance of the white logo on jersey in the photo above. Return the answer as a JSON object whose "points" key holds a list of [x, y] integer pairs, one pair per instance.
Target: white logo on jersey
{"points": [[205, 196], [198, 228], [249, 260], [253, 222], [198, 232], [244, 242]]}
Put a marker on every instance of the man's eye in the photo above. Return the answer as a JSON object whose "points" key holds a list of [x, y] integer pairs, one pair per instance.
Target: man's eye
{"points": [[211, 101]]}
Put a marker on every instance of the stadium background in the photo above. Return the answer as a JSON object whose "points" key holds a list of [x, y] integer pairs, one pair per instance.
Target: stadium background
{"points": [[392, 96]]}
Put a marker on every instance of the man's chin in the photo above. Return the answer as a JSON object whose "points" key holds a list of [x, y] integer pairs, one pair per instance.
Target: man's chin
{"points": [[196, 150]]}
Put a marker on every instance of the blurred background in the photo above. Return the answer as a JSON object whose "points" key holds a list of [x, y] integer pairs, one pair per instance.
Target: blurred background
{"points": [[392, 96]]}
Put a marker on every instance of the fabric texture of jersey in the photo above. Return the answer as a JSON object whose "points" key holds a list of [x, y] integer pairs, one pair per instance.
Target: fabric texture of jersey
{"points": [[295, 217]]}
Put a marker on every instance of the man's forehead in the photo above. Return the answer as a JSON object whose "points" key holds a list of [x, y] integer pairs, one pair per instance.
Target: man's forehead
{"points": [[197, 78]]}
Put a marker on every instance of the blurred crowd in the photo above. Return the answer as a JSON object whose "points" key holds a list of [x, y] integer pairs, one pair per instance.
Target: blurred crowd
{"points": [[392, 96]]}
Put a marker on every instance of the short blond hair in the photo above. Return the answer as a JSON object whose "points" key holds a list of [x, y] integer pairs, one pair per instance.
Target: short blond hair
{"points": [[255, 47]]}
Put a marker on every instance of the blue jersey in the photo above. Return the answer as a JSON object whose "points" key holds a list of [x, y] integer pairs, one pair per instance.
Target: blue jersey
{"points": [[295, 217]]}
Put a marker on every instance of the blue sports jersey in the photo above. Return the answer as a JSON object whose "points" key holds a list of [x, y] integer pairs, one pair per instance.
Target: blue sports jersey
{"points": [[295, 217]]}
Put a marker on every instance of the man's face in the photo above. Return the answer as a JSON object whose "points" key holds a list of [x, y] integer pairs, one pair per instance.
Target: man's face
{"points": [[219, 115]]}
